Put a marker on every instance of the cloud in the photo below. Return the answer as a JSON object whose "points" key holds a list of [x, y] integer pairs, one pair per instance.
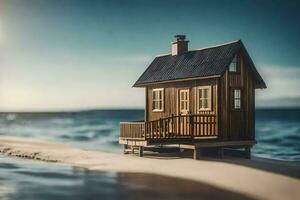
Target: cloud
{"points": [[281, 81], [279, 102], [282, 86]]}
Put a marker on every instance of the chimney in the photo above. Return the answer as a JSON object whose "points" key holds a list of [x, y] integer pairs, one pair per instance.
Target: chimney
{"points": [[179, 45]]}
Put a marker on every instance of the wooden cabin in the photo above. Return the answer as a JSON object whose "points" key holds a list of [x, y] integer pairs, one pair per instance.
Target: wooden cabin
{"points": [[197, 99]]}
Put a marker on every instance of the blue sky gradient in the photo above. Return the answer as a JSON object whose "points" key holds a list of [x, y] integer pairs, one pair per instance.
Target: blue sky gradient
{"points": [[68, 54]]}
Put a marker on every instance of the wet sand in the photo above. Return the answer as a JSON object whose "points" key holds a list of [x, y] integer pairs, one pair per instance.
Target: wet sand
{"points": [[48, 181], [257, 179]]}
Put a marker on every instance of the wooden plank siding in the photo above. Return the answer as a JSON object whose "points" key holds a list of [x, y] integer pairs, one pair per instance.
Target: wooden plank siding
{"points": [[171, 98], [237, 124], [171, 103], [224, 107]]}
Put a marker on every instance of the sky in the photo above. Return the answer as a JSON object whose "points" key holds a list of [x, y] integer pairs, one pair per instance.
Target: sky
{"points": [[72, 55]]}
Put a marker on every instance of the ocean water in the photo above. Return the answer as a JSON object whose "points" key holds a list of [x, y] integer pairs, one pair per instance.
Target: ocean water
{"points": [[277, 130], [278, 134], [93, 130]]}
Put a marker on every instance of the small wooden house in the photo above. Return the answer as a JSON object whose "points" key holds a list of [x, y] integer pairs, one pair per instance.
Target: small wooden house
{"points": [[197, 99]]}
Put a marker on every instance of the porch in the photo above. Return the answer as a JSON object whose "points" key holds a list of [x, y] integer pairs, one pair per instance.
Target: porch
{"points": [[191, 131], [179, 128]]}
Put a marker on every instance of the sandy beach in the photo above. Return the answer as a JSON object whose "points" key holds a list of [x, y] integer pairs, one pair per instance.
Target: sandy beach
{"points": [[256, 178]]}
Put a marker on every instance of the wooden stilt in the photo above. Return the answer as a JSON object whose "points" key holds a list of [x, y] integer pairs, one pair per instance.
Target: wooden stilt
{"points": [[220, 152], [125, 149], [248, 152], [141, 151], [196, 154]]}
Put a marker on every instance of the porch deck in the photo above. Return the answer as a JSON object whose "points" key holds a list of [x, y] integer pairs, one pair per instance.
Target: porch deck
{"points": [[181, 128], [185, 131]]}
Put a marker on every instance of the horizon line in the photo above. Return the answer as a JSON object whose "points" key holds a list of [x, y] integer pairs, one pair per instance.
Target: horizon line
{"points": [[120, 108]]}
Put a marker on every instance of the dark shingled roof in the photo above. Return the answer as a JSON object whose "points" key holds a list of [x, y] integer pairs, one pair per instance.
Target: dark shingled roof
{"points": [[192, 64]]}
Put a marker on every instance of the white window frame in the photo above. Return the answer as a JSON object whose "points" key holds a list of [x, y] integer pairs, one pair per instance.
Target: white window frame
{"points": [[237, 99], [156, 101], [208, 98], [233, 65]]}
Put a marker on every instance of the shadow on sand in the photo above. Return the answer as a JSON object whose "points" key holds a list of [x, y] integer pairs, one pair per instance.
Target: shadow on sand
{"points": [[287, 168], [162, 187]]}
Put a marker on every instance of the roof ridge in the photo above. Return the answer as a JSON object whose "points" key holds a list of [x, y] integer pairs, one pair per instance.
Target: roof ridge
{"points": [[208, 47], [161, 55], [218, 45]]}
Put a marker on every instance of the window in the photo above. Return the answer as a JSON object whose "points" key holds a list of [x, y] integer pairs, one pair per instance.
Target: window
{"points": [[237, 99], [158, 99], [233, 65], [204, 98]]}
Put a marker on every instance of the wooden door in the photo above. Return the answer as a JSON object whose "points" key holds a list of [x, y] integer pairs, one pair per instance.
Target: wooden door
{"points": [[237, 122], [184, 96]]}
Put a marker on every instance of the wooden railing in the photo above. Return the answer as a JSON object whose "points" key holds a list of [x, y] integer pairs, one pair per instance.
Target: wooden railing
{"points": [[132, 129], [182, 126], [179, 126]]}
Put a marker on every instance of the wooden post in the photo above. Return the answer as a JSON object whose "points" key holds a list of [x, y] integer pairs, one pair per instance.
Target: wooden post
{"points": [[191, 126], [160, 127], [179, 125], [248, 152], [172, 124], [145, 129], [141, 151], [125, 149], [196, 153]]}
